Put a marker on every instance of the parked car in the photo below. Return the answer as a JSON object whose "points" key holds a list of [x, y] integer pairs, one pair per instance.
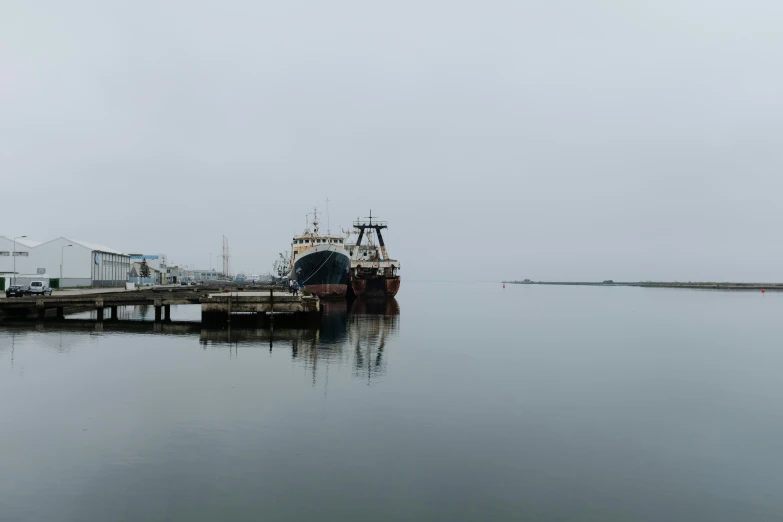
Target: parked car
{"points": [[39, 288], [15, 291], [183, 283]]}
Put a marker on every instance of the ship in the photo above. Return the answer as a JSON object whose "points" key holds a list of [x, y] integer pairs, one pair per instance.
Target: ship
{"points": [[281, 268], [319, 262], [373, 273]]}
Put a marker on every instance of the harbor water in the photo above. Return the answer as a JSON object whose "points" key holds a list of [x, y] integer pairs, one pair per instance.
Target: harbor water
{"points": [[456, 401]]}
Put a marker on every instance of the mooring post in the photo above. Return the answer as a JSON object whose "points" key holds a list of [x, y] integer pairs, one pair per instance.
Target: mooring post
{"points": [[272, 306]]}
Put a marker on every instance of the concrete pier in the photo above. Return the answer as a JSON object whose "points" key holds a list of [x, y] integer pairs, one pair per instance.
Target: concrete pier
{"points": [[215, 307], [220, 307]]}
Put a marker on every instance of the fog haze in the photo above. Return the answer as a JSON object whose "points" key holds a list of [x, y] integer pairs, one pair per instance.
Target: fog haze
{"points": [[550, 140]]}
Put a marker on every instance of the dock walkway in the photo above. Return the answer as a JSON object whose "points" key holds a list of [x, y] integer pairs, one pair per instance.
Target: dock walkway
{"points": [[215, 305]]}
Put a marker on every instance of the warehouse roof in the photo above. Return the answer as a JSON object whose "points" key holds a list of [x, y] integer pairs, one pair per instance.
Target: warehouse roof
{"points": [[29, 243], [85, 244], [95, 246]]}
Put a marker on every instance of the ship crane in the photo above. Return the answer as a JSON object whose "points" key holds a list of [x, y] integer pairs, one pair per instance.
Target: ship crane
{"points": [[369, 225]]}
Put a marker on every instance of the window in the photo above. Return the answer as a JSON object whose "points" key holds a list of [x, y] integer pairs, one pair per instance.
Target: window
{"points": [[21, 254], [5, 254]]}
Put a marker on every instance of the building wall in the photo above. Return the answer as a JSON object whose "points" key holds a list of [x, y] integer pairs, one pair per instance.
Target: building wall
{"points": [[156, 263], [72, 282], [109, 269], [79, 267], [7, 259], [75, 259], [205, 275]]}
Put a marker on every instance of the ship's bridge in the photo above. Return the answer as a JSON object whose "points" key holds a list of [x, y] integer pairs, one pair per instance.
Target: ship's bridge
{"points": [[303, 242]]}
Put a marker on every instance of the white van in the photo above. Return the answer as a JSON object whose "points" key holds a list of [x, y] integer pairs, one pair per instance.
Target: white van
{"points": [[39, 288]]}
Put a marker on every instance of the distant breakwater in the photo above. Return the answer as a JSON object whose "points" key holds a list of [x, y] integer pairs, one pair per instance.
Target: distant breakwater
{"points": [[661, 284]]}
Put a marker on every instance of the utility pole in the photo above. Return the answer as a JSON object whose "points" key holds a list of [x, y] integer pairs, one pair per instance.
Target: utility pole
{"points": [[62, 252], [13, 254], [226, 258]]}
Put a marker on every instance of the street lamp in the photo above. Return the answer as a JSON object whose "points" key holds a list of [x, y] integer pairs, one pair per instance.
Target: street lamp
{"points": [[13, 254], [62, 250]]}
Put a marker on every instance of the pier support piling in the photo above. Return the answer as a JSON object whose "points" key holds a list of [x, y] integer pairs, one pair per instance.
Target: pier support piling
{"points": [[167, 313], [113, 313], [60, 312], [100, 314]]}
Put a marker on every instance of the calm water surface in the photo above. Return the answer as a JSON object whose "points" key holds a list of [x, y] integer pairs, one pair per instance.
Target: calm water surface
{"points": [[454, 402]]}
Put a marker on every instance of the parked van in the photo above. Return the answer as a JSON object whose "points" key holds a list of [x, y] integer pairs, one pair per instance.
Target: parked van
{"points": [[39, 288]]}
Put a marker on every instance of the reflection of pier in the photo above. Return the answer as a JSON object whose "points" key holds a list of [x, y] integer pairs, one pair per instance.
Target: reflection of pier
{"points": [[258, 335], [352, 335], [185, 328]]}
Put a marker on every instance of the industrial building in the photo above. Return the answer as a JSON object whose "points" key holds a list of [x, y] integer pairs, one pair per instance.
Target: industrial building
{"points": [[203, 276], [72, 262], [177, 274], [157, 265]]}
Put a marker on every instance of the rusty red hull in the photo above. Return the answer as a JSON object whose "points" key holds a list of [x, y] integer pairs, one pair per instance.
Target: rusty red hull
{"points": [[326, 291], [376, 287]]}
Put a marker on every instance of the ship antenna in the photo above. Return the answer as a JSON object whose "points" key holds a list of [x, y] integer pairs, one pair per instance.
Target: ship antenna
{"points": [[328, 217]]}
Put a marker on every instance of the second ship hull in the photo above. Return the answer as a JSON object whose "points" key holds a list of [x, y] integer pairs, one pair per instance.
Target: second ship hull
{"points": [[376, 287], [323, 271]]}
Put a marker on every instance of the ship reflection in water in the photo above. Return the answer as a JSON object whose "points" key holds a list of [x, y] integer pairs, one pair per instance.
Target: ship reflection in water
{"points": [[352, 333]]}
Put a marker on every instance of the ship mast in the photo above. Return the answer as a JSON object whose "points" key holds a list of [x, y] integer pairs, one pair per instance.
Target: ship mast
{"points": [[315, 221], [328, 217], [368, 226]]}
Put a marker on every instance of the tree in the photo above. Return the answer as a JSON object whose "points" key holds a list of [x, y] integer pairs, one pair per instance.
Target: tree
{"points": [[144, 269]]}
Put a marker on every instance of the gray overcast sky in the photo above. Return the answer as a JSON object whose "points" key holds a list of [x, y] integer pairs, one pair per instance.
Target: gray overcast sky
{"points": [[550, 140]]}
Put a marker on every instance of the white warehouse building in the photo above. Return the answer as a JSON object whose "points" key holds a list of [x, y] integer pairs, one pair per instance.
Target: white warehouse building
{"points": [[75, 263]]}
